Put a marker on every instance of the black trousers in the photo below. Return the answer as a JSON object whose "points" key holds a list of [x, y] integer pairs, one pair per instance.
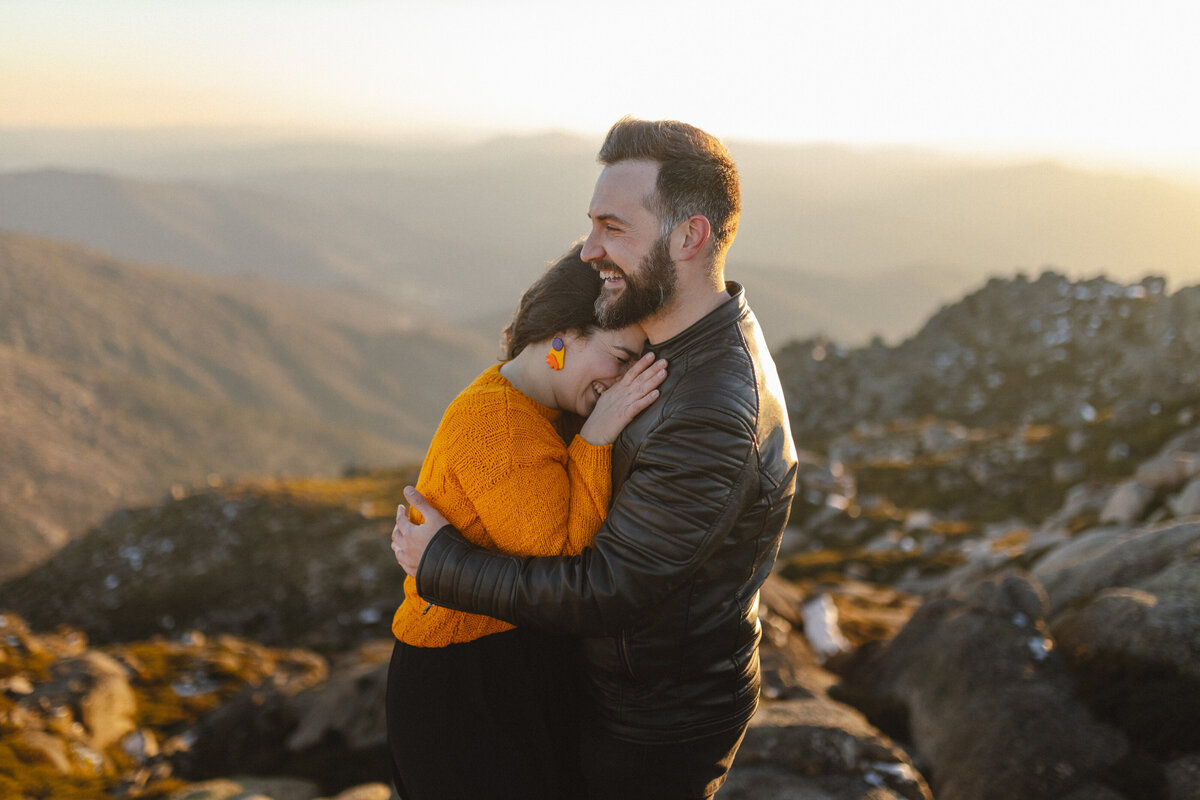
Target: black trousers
{"points": [[615, 769], [491, 719], [500, 718]]}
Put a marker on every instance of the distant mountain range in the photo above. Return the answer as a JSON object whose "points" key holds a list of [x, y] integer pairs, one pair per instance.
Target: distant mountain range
{"points": [[860, 242], [296, 309], [118, 380]]}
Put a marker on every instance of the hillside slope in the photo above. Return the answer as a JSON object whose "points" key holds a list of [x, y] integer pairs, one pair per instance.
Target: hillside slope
{"points": [[118, 380]]}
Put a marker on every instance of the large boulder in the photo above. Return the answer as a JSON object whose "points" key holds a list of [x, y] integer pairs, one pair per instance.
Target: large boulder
{"points": [[347, 708], [817, 737], [1107, 558], [766, 781], [333, 732], [1135, 646], [989, 702]]}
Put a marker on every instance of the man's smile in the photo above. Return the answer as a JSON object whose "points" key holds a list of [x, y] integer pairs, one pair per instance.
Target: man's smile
{"points": [[611, 277]]}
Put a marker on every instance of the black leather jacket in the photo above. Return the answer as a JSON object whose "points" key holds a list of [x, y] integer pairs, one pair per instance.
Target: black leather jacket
{"points": [[667, 597]]}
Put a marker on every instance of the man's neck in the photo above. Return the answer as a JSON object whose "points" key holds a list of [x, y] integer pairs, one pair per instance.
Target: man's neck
{"points": [[686, 309]]}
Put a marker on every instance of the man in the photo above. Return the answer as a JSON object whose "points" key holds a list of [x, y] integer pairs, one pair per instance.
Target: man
{"points": [[666, 598]]}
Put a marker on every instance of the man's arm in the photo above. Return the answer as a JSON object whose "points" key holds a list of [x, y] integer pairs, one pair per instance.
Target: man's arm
{"points": [[683, 496]]}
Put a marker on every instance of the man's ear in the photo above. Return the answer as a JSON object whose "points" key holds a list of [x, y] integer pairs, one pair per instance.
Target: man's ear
{"points": [[692, 235]]}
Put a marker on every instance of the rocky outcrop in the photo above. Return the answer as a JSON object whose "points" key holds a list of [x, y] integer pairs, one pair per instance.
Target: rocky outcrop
{"points": [[1129, 626], [79, 721], [990, 704], [803, 743], [333, 731], [199, 562], [1080, 677], [1048, 350], [973, 601]]}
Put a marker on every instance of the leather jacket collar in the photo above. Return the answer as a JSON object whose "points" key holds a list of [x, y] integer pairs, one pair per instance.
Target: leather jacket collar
{"points": [[721, 317]]}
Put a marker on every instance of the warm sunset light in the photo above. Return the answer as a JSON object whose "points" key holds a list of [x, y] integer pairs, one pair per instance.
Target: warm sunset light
{"points": [[910, 464], [1099, 82]]}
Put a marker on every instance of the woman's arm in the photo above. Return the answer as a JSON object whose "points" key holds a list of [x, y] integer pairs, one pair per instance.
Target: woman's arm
{"points": [[532, 503], [573, 497]]}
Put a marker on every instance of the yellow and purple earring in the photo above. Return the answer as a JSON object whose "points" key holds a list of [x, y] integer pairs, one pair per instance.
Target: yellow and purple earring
{"points": [[555, 357]]}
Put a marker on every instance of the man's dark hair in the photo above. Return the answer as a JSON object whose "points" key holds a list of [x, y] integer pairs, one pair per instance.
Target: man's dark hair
{"points": [[696, 174], [562, 300]]}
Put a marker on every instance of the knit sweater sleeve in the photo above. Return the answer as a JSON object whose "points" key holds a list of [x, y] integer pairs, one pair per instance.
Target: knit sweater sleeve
{"points": [[533, 496]]}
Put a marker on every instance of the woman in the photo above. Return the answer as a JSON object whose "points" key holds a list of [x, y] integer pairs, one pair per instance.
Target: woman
{"points": [[477, 708]]}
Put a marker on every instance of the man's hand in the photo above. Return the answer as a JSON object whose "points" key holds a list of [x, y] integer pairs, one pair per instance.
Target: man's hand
{"points": [[409, 540]]}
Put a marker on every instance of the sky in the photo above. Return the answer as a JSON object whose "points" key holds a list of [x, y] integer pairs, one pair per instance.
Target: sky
{"points": [[1098, 82]]}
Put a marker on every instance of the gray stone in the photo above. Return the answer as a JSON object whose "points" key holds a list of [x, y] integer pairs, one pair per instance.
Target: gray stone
{"points": [[992, 715], [1187, 502], [348, 705], [1157, 621], [812, 737], [765, 781], [1127, 504], [1104, 559], [100, 690], [1177, 462], [1082, 499], [249, 788]]}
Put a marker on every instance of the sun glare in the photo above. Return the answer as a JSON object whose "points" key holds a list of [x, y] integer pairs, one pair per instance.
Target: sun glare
{"points": [[1099, 80]]}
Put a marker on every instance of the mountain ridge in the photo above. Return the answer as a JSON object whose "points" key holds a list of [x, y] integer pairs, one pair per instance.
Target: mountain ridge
{"points": [[119, 380], [460, 229]]}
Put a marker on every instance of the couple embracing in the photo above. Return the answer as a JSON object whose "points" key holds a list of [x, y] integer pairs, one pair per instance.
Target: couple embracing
{"points": [[597, 513]]}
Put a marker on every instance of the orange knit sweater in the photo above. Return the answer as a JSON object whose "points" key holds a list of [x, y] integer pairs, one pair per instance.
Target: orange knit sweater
{"points": [[500, 473]]}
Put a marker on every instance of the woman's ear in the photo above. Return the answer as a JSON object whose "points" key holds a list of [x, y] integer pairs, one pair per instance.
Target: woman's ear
{"points": [[558, 353]]}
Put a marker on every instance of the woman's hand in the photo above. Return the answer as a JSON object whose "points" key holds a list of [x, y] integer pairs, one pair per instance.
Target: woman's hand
{"points": [[409, 539], [624, 400]]}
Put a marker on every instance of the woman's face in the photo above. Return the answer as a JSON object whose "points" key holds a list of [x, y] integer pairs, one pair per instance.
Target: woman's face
{"points": [[593, 363]]}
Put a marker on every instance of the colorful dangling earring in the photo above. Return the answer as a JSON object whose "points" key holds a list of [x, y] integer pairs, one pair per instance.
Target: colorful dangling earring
{"points": [[555, 357]]}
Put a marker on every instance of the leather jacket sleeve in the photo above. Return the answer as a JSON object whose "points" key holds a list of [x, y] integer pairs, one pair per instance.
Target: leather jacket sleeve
{"points": [[692, 477]]}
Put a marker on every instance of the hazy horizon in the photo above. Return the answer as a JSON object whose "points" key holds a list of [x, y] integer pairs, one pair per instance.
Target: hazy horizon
{"points": [[1094, 86]]}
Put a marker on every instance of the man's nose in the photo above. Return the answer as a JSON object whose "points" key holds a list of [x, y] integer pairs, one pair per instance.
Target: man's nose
{"points": [[591, 249]]}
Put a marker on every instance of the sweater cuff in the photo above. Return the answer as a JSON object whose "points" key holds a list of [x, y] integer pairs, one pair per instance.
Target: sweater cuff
{"points": [[593, 459]]}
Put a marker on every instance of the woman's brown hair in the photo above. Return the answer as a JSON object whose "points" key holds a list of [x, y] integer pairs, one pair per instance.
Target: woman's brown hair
{"points": [[562, 300]]}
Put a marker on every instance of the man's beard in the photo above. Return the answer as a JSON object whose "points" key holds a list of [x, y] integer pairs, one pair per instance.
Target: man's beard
{"points": [[644, 294]]}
